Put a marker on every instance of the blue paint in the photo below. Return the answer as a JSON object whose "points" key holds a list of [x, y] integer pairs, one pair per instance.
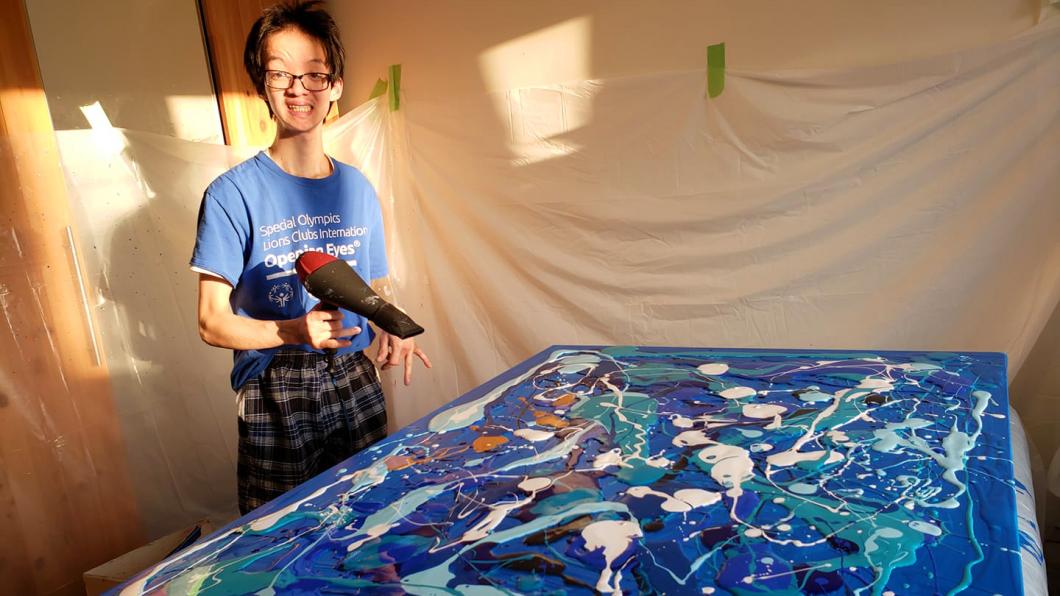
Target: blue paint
{"points": [[871, 480]]}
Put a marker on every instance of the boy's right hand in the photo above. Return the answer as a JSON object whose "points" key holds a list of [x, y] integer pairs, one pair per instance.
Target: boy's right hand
{"points": [[323, 329]]}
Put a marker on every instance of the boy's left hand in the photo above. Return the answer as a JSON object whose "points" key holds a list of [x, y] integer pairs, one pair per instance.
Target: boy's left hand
{"points": [[394, 351]]}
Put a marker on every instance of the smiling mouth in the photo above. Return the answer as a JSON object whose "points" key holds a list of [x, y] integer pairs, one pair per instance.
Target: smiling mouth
{"points": [[300, 108]]}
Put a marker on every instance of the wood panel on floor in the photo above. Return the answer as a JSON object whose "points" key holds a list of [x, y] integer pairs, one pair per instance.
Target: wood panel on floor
{"points": [[66, 498]]}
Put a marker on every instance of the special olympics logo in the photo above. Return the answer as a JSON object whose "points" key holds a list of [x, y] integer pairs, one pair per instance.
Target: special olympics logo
{"points": [[280, 294]]}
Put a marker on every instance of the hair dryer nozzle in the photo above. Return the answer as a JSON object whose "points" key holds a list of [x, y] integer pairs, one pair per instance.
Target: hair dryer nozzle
{"points": [[335, 282]]}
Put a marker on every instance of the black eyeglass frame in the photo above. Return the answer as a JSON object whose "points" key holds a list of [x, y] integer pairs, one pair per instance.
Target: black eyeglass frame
{"points": [[292, 77]]}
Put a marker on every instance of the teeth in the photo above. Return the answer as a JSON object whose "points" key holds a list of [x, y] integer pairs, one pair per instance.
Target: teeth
{"points": [[299, 108]]}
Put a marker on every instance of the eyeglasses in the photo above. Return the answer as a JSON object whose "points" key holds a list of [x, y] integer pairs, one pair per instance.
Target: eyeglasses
{"points": [[312, 81]]}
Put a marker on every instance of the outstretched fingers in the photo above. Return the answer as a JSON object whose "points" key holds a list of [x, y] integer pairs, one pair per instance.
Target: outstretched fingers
{"points": [[418, 353], [423, 357]]}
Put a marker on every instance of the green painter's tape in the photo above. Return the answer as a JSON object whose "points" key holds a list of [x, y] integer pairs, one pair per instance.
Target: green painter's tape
{"points": [[395, 87], [715, 69], [378, 89]]}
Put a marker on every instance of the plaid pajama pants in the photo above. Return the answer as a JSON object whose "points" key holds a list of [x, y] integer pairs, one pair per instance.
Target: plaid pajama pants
{"points": [[295, 421]]}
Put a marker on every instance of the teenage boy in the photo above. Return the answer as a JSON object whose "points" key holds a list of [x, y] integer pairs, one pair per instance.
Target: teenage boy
{"points": [[297, 415]]}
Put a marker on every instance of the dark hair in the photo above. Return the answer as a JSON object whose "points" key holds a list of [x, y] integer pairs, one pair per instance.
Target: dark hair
{"points": [[310, 18]]}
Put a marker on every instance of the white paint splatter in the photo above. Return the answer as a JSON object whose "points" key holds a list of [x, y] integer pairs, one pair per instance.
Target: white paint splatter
{"points": [[697, 497], [713, 368], [534, 435], [535, 484], [608, 458], [763, 410], [682, 422], [737, 392], [926, 528], [659, 461], [682, 501], [614, 537], [731, 466], [691, 438]]}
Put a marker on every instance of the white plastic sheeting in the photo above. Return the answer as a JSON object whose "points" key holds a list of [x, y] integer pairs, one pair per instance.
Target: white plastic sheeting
{"points": [[136, 199], [908, 206], [1032, 554]]}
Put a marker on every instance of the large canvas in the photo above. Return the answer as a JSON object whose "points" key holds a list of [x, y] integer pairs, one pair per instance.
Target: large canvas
{"points": [[666, 470]]}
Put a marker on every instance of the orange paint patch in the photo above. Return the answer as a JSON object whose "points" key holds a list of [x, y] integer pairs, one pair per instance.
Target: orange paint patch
{"points": [[564, 400], [550, 420], [487, 443], [399, 462]]}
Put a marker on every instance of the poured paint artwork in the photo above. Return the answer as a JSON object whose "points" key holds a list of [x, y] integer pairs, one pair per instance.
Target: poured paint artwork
{"points": [[665, 470]]}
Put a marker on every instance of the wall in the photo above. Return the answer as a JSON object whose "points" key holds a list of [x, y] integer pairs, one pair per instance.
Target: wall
{"points": [[143, 61], [64, 488], [467, 46]]}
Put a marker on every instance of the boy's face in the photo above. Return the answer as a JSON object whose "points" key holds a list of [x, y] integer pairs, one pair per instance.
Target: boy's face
{"points": [[296, 109]]}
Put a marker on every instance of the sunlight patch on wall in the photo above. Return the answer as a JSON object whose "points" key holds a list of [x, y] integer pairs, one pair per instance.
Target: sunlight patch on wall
{"points": [[108, 140], [195, 118], [558, 52], [521, 73]]}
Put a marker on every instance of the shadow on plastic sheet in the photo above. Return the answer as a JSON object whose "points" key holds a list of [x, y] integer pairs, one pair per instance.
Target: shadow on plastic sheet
{"points": [[177, 412]]}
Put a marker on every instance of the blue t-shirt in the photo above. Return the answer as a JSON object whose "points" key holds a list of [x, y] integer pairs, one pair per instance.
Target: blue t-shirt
{"points": [[256, 219]]}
